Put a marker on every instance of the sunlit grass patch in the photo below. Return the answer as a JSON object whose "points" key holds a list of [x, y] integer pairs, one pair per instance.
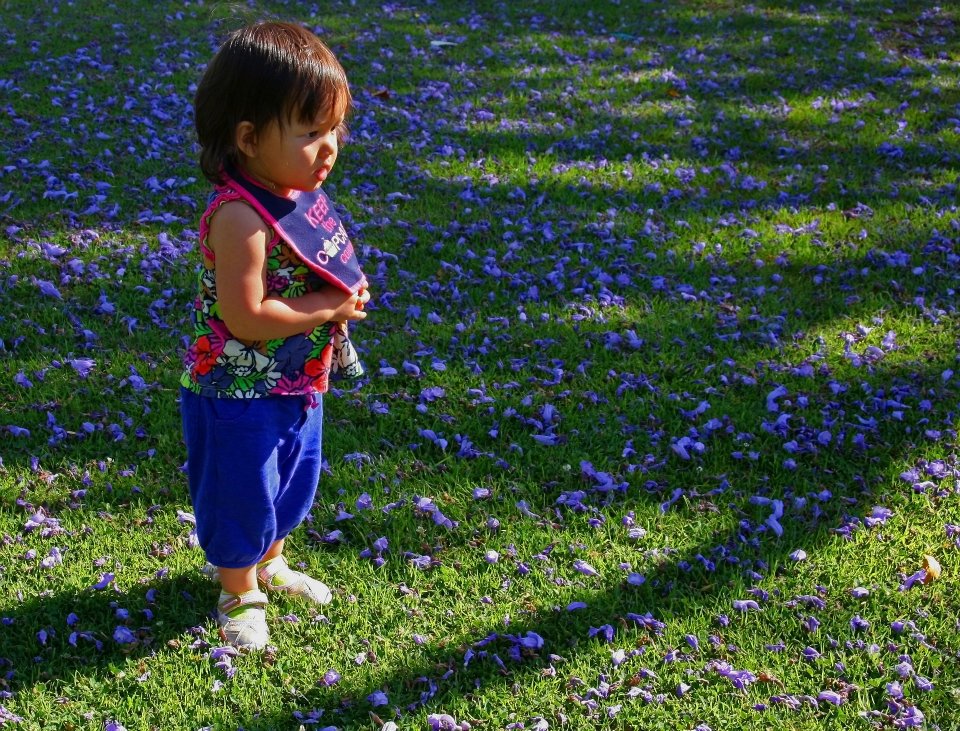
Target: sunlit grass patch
{"points": [[660, 417]]}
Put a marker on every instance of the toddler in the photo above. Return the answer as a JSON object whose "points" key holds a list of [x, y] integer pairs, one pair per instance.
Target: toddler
{"points": [[279, 283]]}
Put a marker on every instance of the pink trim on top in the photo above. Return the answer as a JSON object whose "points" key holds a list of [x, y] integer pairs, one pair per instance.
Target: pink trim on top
{"points": [[264, 214], [229, 194]]}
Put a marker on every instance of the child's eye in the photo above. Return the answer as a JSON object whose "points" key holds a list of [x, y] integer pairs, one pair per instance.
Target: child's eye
{"points": [[313, 134]]}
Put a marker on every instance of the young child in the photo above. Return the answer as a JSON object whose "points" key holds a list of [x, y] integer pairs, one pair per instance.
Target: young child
{"points": [[279, 282]]}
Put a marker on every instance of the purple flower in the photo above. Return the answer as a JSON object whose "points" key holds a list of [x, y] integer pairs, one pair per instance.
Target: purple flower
{"points": [[740, 679], [378, 698], [426, 506], [548, 440], [431, 435], [899, 626], [904, 669], [82, 366], [915, 578], [333, 537], [331, 677], [48, 289], [772, 397], [878, 516], [442, 722], [605, 632], [530, 641], [647, 621], [584, 568], [911, 717], [745, 605], [831, 697], [6, 715], [105, 581], [123, 636], [218, 653], [421, 562]]}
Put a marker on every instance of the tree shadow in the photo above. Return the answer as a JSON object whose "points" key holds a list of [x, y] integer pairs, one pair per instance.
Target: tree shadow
{"points": [[679, 341], [733, 565]]}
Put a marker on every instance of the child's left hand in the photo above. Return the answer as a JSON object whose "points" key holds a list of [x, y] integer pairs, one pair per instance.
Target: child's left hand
{"points": [[363, 297]]}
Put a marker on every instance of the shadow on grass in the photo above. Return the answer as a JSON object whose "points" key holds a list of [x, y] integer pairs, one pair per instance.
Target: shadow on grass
{"points": [[713, 574], [672, 366], [669, 590], [93, 632]]}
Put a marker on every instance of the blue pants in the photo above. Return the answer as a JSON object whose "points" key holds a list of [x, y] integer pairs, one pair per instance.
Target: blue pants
{"points": [[253, 466]]}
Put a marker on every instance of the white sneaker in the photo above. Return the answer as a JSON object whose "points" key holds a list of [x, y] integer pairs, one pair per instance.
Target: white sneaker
{"points": [[276, 575], [248, 629]]}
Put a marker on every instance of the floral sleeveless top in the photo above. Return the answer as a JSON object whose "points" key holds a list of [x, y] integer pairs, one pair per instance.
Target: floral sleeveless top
{"points": [[220, 365]]}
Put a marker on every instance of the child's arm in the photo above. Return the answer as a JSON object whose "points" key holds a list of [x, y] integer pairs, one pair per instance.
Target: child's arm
{"points": [[238, 237]]}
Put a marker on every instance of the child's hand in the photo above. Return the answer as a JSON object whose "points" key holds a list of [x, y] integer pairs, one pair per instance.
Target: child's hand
{"points": [[352, 308]]}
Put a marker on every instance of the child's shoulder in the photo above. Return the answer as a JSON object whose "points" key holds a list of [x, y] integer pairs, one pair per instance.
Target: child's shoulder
{"points": [[237, 218]]}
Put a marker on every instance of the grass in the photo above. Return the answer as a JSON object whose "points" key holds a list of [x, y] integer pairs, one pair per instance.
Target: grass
{"points": [[645, 272]]}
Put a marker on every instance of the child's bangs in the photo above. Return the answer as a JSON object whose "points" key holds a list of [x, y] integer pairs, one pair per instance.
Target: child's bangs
{"points": [[321, 88]]}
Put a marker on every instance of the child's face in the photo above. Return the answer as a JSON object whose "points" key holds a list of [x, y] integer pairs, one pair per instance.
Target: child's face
{"points": [[296, 156]]}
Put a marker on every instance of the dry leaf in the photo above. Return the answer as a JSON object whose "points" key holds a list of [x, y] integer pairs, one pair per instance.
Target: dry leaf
{"points": [[932, 567], [766, 677]]}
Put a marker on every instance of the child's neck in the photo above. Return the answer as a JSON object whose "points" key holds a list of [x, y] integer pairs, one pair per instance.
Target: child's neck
{"points": [[264, 183]]}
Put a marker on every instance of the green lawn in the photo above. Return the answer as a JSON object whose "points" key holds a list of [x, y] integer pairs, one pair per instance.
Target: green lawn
{"points": [[660, 418]]}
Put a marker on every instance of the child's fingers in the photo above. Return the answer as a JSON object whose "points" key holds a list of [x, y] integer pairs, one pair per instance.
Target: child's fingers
{"points": [[353, 308]]}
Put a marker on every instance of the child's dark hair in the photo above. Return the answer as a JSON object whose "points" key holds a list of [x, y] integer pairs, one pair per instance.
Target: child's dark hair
{"points": [[263, 73]]}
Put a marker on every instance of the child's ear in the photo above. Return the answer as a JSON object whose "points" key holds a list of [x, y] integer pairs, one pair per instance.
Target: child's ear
{"points": [[245, 139]]}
